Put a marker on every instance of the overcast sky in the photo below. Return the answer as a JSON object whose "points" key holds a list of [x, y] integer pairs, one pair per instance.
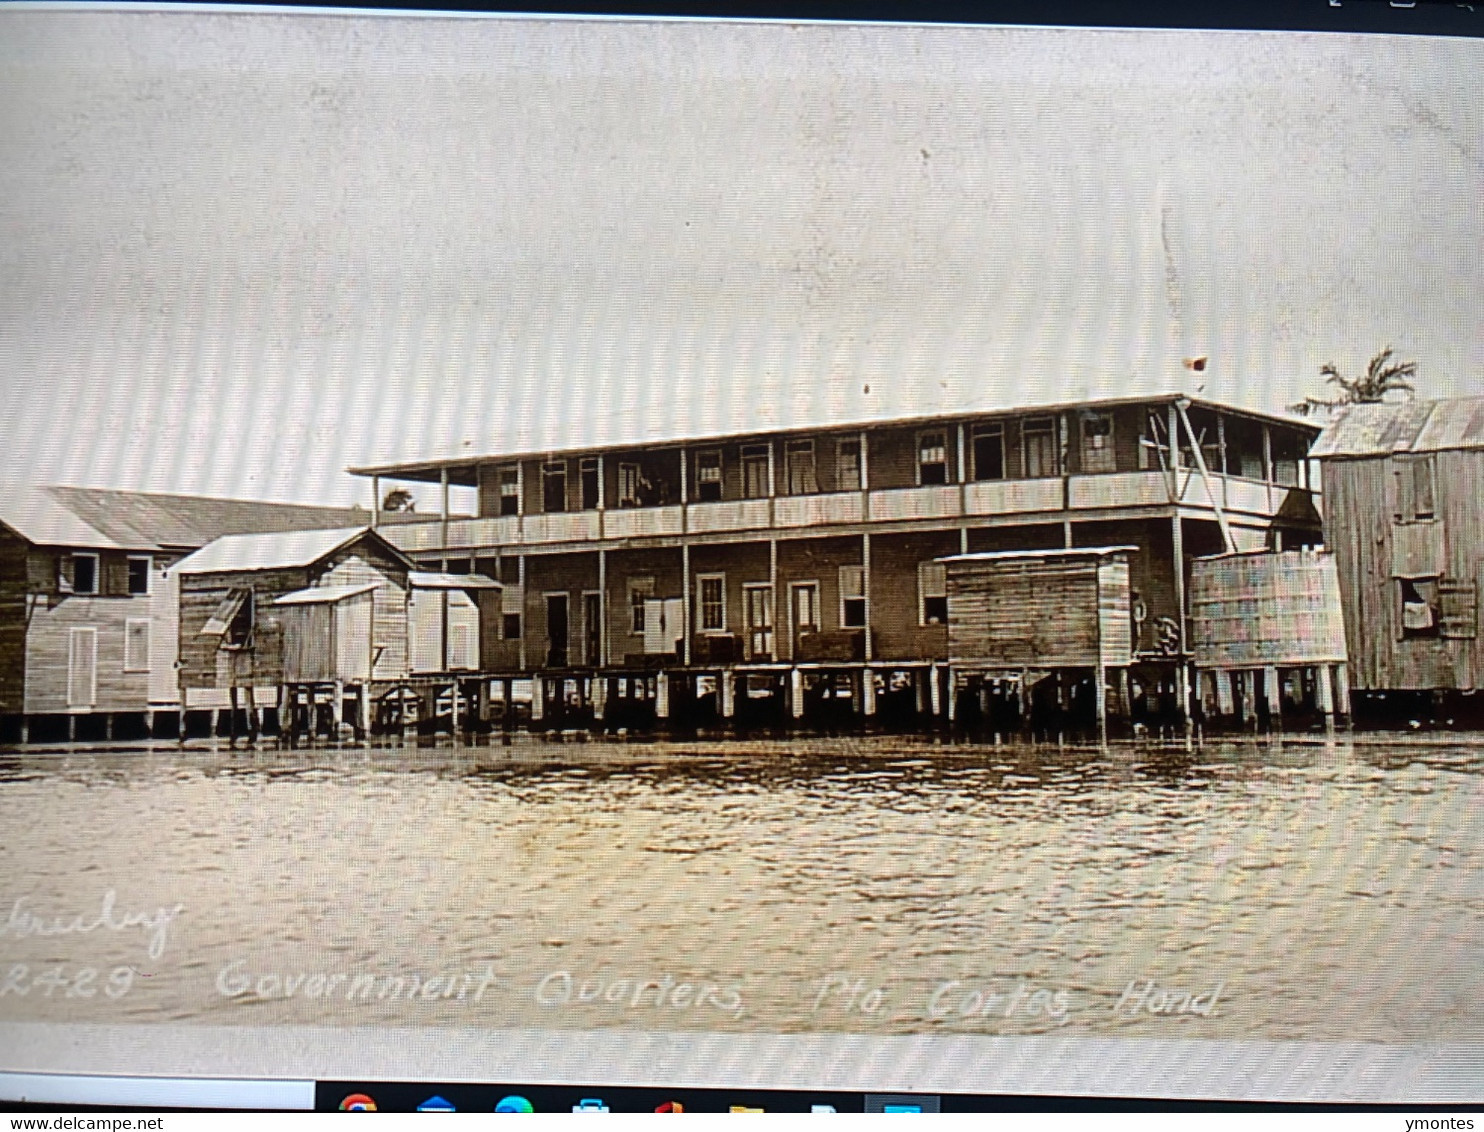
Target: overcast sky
{"points": [[241, 252]]}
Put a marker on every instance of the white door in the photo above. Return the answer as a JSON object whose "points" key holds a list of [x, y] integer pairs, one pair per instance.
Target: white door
{"points": [[663, 624], [82, 667]]}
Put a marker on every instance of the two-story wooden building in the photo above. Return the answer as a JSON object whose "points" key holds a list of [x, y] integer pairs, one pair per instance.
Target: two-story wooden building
{"points": [[88, 602], [1404, 516], [770, 573]]}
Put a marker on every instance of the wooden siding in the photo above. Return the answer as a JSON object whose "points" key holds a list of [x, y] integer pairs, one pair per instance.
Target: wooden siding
{"points": [[202, 663], [14, 588], [1038, 613], [1361, 529], [1256, 610], [389, 624], [47, 649]]}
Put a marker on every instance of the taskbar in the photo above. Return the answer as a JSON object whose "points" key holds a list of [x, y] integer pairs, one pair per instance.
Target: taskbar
{"points": [[422, 1096]]}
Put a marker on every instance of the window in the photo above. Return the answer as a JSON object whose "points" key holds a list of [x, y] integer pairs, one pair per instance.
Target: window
{"points": [[1038, 437], [798, 459], [932, 458], [852, 597], [136, 645], [510, 491], [1287, 451], [708, 476], [1419, 606], [848, 465], [712, 592], [989, 452], [628, 485], [591, 487], [932, 588], [1097, 442], [755, 471], [232, 619], [139, 568], [511, 626], [554, 486], [1414, 489], [79, 574], [640, 591]]}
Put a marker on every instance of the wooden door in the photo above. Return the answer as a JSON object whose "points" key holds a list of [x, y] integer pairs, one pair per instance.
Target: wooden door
{"points": [[82, 667], [803, 610]]}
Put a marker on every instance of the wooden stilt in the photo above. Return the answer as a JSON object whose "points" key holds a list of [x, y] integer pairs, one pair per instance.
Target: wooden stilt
{"points": [[1342, 690], [727, 691], [72, 729], [108, 725], [796, 693], [1248, 702], [538, 699], [363, 710], [1272, 689], [935, 690], [1100, 695], [952, 682], [1225, 700], [1182, 691], [1326, 692], [232, 716], [1125, 707], [337, 708], [25, 728], [662, 696], [508, 693], [868, 692]]}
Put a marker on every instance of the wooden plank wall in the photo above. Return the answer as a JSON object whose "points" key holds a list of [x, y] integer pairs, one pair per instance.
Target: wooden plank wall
{"points": [[14, 552], [200, 594], [1024, 613], [1359, 528], [389, 619]]}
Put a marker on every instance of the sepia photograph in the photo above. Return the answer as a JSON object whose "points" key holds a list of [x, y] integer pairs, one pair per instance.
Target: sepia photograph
{"points": [[631, 526]]}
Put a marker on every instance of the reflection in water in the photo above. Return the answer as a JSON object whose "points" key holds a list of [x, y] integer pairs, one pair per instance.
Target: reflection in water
{"points": [[1311, 888]]}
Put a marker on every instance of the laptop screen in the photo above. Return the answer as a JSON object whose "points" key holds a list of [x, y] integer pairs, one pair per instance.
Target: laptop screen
{"points": [[873, 563]]}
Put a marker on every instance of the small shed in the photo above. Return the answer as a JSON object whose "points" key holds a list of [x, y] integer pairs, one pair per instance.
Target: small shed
{"points": [[265, 610], [444, 620], [1044, 609]]}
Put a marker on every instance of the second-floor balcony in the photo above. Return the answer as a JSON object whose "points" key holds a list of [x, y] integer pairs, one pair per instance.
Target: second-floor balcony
{"points": [[1087, 495]]}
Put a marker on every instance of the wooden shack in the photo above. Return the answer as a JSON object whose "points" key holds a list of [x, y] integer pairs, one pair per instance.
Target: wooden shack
{"points": [[1041, 611], [1267, 627], [265, 619], [1403, 485]]}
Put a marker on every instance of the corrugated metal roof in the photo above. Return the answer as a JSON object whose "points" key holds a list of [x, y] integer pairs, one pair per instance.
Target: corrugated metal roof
{"points": [[326, 595], [428, 580], [1405, 426], [282, 550], [1064, 552], [108, 519], [39, 517]]}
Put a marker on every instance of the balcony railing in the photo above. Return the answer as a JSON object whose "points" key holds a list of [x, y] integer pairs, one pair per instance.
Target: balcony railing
{"points": [[732, 515], [987, 498], [643, 522], [1010, 497], [814, 510]]}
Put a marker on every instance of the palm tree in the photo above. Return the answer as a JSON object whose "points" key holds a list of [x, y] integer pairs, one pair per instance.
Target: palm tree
{"points": [[399, 499], [1382, 376]]}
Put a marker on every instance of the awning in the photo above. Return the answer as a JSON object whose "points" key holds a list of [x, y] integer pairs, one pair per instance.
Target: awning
{"points": [[424, 580], [326, 595], [221, 618]]}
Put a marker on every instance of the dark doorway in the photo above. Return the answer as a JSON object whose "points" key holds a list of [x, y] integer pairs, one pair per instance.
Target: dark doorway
{"points": [[556, 630]]}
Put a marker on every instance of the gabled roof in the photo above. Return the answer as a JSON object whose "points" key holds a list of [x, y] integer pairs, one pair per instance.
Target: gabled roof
{"points": [[105, 519], [284, 550], [1405, 426]]}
